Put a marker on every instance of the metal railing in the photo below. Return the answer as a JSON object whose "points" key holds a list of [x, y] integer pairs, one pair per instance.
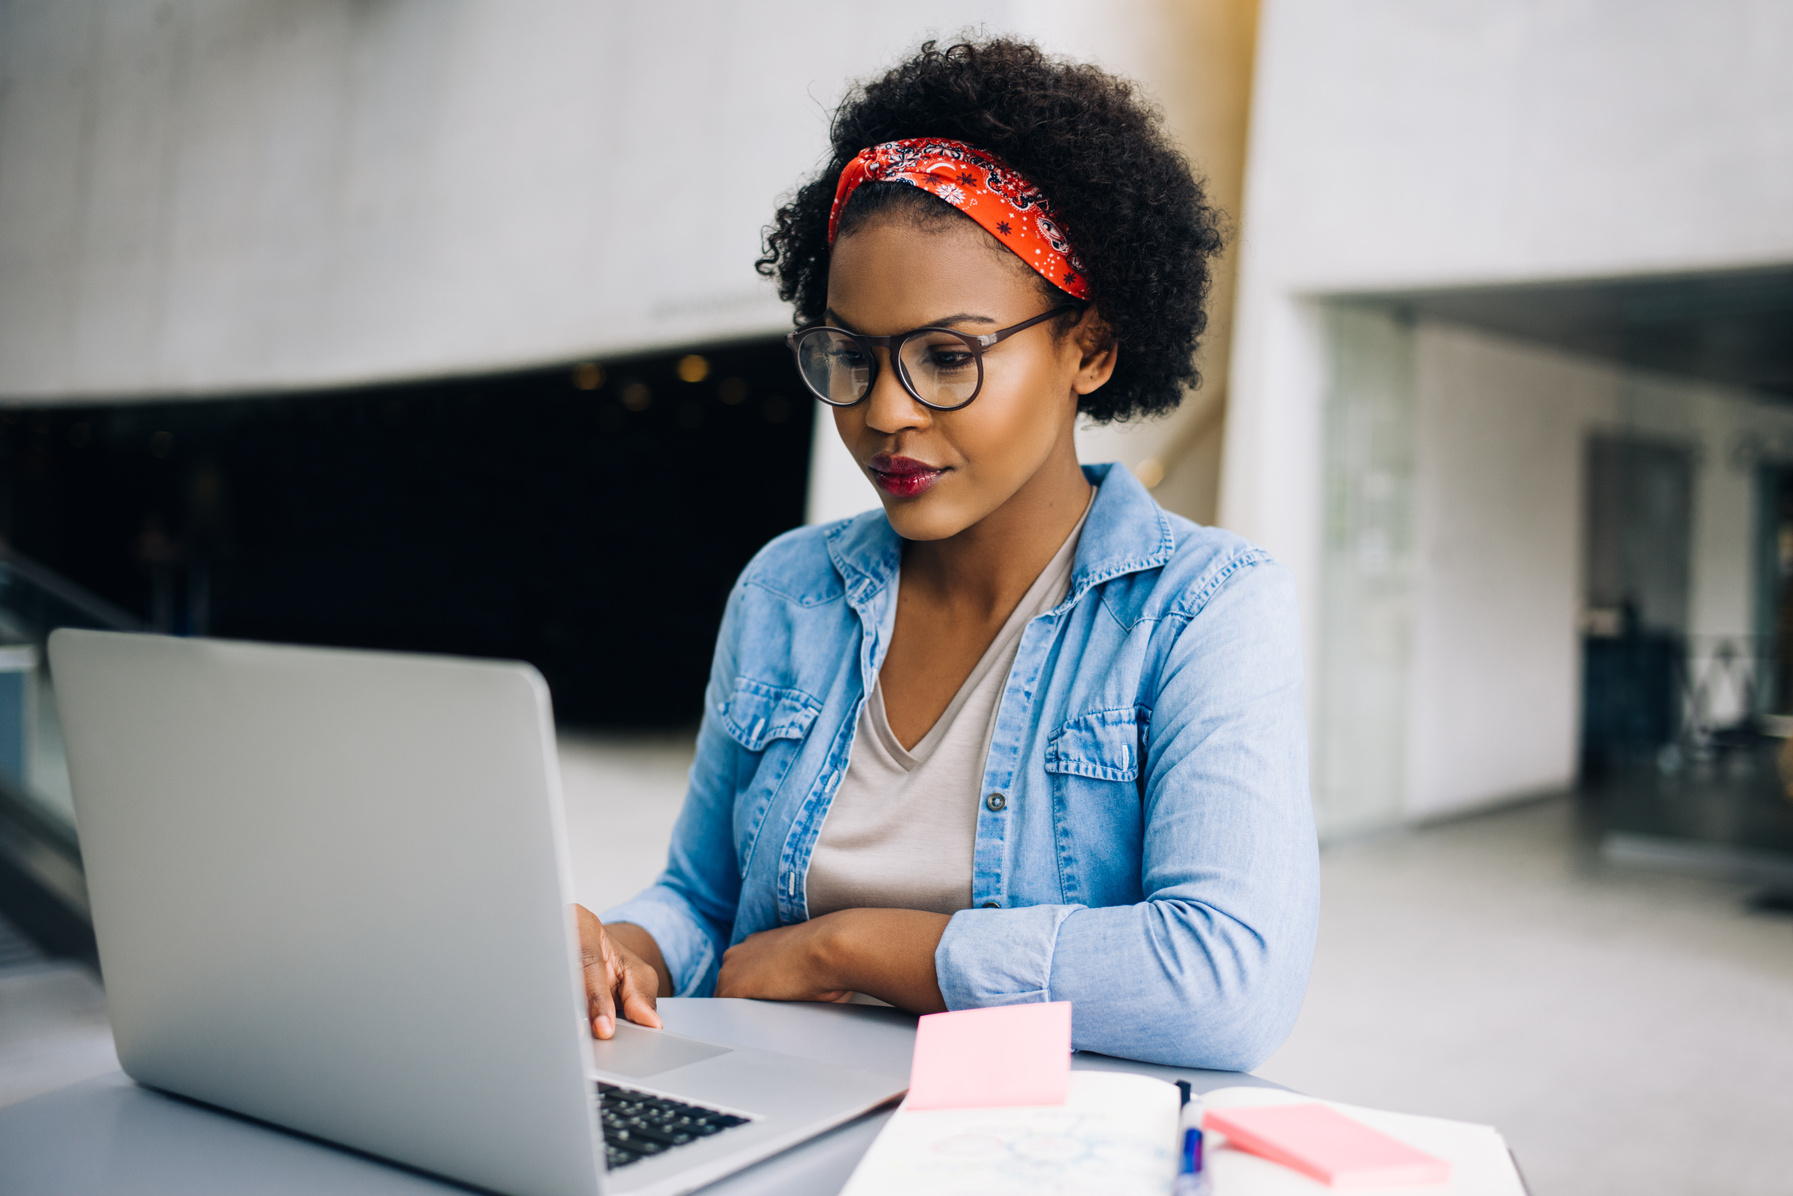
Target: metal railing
{"points": [[1681, 700], [1727, 686], [39, 849]]}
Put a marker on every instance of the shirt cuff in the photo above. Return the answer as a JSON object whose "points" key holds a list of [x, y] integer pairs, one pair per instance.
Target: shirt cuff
{"points": [[999, 956], [686, 947]]}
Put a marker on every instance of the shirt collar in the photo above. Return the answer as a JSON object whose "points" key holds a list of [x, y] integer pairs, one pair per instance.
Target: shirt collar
{"points": [[1125, 532]]}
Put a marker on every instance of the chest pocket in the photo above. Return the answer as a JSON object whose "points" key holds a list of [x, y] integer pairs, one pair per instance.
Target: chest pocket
{"points": [[1105, 745], [1093, 764], [759, 713]]}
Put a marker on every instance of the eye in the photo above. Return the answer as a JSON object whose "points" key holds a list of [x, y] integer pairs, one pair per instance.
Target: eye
{"points": [[949, 356]]}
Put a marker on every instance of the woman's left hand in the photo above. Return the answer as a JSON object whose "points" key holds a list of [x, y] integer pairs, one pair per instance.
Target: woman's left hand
{"points": [[786, 963], [883, 953]]}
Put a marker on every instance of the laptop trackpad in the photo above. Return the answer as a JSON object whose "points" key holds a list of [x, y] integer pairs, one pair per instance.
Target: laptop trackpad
{"points": [[637, 1051]]}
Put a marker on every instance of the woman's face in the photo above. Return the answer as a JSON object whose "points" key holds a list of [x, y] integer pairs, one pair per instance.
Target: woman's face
{"points": [[940, 472]]}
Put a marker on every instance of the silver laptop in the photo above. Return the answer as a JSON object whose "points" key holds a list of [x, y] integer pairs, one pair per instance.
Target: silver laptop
{"points": [[331, 891]]}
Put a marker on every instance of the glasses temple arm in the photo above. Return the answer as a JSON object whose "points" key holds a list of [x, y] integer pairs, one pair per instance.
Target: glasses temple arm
{"points": [[991, 338]]}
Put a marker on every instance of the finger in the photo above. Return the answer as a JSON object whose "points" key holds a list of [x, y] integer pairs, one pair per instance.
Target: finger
{"points": [[591, 935], [600, 980], [600, 1004], [637, 994]]}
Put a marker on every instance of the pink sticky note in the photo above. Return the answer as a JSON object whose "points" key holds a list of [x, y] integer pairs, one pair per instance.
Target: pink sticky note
{"points": [[1326, 1145], [1006, 1055]]}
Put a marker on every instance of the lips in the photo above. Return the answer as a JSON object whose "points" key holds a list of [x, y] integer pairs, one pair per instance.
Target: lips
{"points": [[904, 477]]}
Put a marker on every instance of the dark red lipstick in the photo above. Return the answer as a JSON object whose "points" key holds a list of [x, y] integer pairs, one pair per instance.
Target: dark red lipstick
{"points": [[904, 477]]}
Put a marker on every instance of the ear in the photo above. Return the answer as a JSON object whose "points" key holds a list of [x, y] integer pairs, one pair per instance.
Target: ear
{"points": [[1098, 351]]}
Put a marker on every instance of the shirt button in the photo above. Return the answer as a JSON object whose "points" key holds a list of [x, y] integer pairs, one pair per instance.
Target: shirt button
{"points": [[992, 905], [996, 801]]}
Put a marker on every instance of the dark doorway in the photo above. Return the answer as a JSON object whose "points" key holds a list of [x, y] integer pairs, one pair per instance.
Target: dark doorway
{"points": [[1774, 584], [1665, 761], [588, 518], [1639, 525]]}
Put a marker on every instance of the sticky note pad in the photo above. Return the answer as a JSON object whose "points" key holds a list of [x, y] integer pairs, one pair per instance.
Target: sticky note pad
{"points": [[977, 1058], [1327, 1145]]}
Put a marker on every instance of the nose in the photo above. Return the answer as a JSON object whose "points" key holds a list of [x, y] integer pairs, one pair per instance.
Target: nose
{"points": [[890, 408]]}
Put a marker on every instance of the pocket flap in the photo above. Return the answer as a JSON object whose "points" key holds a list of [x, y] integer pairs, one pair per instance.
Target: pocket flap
{"points": [[1104, 744], [759, 713]]}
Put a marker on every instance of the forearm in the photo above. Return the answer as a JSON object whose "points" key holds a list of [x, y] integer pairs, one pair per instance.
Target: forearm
{"points": [[634, 938], [1206, 989], [1162, 981], [887, 954]]}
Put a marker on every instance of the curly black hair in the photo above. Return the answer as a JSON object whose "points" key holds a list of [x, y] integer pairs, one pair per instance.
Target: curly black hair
{"points": [[1122, 192]]}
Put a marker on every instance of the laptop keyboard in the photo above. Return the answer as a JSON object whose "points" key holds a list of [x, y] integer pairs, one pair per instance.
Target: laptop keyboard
{"points": [[639, 1124]]}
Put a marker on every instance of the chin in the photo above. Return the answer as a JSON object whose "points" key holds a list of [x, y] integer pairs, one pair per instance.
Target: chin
{"points": [[925, 518]]}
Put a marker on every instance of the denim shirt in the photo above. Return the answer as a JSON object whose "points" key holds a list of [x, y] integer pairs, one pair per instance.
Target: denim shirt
{"points": [[1145, 842]]}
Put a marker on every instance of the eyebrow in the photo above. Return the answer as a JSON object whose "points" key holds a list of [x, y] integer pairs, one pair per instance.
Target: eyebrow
{"points": [[945, 321]]}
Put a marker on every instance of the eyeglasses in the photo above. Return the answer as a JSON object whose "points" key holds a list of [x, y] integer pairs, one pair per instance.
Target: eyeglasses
{"points": [[940, 368]]}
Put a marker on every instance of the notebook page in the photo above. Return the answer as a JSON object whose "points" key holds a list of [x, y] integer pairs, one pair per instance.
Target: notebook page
{"points": [[1115, 1134]]}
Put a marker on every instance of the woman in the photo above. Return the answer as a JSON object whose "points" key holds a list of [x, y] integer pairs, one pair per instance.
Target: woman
{"points": [[1021, 735]]}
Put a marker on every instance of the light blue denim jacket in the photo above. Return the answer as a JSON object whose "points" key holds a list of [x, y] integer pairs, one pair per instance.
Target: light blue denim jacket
{"points": [[1145, 842]]}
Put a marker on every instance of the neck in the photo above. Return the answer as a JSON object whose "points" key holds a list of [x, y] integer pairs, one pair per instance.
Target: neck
{"points": [[986, 568]]}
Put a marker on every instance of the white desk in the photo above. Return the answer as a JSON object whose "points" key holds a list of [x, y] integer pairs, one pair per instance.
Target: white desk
{"points": [[109, 1137]]}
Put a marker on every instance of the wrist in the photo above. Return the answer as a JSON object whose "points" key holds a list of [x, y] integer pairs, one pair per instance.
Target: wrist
{"points": [[832, 950]]}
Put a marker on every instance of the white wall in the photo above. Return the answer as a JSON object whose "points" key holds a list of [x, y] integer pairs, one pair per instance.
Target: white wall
{"points": [[1401, 143], [1495, 695], [219, 195], [1495, 667]]}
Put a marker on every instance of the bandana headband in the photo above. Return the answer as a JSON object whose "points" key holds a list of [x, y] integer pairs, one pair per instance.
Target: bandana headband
{"points": [[982, 186]]}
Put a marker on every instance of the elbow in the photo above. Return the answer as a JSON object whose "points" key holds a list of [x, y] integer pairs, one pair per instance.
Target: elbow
{"points": [[1218, 1033], [1192, 1025], [1188, 987], [1234, 1008], [1239, 1042]]}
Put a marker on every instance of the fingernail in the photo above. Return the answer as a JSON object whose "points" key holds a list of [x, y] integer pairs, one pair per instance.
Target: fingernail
{"points": [[605, 1026]]}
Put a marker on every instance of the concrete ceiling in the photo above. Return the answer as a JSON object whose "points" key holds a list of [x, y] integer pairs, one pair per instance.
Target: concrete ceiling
{"points": [[1731, 326]]}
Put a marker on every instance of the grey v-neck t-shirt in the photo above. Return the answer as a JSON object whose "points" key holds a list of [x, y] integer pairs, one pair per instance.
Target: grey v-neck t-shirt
{"points": [[902, 827]]}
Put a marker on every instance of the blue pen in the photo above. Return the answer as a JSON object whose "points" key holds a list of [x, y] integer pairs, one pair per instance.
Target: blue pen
{"points": [[1192, 1179]]}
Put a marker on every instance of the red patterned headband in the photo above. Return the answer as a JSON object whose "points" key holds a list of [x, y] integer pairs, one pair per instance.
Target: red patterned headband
{"points": [[982, 186]]}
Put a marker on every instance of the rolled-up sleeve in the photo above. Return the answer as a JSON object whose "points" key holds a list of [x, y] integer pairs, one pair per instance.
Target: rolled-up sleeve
{"points": [[690, 909], [1209, 970]]}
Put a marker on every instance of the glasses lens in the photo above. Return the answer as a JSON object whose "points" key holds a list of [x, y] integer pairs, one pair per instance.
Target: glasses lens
{"points": [[942, 368], [835, 366]]}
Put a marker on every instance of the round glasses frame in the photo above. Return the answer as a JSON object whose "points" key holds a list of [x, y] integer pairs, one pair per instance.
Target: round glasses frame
{"points": [[893, 345]]}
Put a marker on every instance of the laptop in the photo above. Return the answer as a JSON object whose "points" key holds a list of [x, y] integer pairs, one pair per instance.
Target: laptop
{"points": [[330, 891]]}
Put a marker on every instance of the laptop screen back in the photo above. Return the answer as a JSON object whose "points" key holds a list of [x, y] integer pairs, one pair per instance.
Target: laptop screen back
{"points": [[329, 892]]}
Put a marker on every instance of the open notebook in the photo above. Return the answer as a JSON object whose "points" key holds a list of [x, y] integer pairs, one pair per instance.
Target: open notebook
{"points": [[1116, 1133]]}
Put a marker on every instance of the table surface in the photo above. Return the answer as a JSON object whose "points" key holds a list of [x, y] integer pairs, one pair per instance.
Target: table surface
{"points": [[109, 1137]]}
